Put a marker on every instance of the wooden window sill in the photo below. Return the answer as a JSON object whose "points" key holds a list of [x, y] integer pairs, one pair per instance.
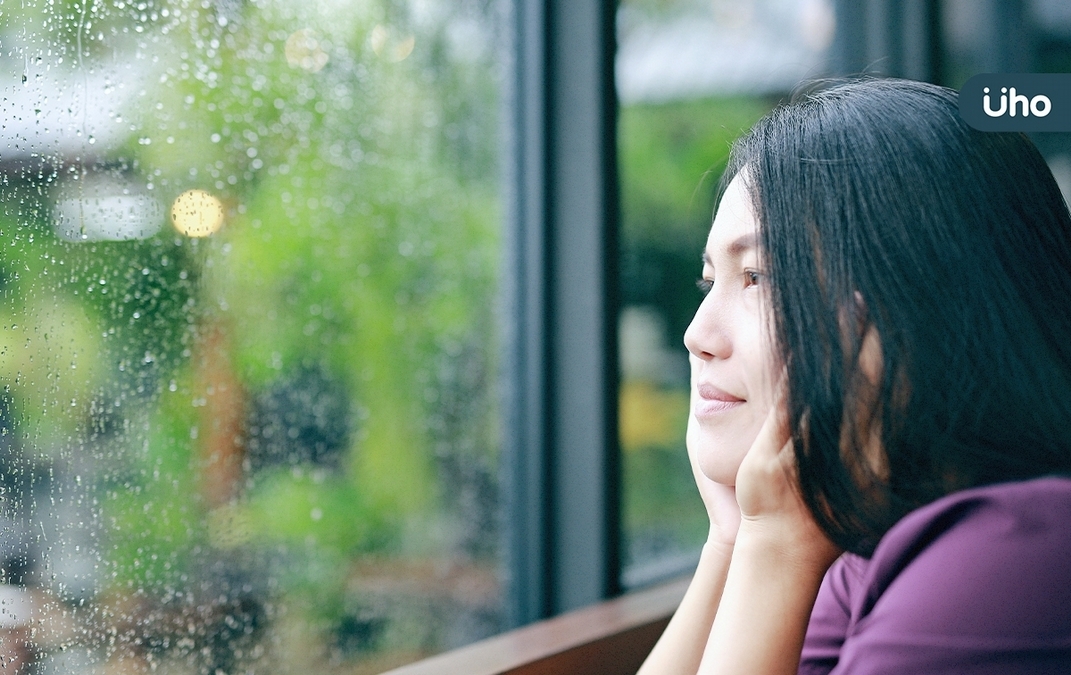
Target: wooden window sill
{"points": [[610, 638]]}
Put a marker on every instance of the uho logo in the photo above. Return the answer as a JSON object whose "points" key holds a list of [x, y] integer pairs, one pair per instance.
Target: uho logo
{"points": [[1022, 102], [1039, 106]]}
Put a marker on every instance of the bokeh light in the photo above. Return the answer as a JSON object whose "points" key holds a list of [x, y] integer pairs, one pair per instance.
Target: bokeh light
{"points": [[390, 46], [304, 50], [196, 213]]}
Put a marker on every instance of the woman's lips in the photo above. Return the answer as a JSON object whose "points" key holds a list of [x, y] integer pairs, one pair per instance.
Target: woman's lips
{"points": [[713, 400]]}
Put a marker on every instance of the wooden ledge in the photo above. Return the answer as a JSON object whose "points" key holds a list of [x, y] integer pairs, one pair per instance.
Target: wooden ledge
{"points": [[610, 638]]}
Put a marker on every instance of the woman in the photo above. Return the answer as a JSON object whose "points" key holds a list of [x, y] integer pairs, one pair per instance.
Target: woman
{"points": [[881, 366]]}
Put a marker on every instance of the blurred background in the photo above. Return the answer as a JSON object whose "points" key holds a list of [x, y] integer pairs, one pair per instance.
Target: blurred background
{"points": [[254, 275], [249, 270]]}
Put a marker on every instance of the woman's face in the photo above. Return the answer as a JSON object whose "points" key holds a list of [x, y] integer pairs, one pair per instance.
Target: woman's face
{"points": [[731, 357]]}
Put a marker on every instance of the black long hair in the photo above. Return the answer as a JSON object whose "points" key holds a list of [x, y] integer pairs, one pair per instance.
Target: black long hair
{"points": [[881, 211]]}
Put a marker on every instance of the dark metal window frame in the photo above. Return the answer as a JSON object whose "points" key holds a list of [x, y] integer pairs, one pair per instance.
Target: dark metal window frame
{"points": [[561, 466]]}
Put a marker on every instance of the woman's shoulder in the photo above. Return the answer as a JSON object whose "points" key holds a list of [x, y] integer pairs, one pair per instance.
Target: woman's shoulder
{"points": [[981, 576], [1018, 509], [1032, 516], [998, 546]]}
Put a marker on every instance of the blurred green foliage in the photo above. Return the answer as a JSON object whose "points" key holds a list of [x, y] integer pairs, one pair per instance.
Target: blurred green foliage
{"points": [[671, 159], [356, 156]]}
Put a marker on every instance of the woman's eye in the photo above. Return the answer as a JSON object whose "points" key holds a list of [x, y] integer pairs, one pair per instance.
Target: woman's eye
{"points": [[704, 285], [751, 278]]}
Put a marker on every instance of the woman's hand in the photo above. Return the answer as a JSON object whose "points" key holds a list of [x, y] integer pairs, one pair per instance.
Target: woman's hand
{"points": [[769, 500], [779, 558]]}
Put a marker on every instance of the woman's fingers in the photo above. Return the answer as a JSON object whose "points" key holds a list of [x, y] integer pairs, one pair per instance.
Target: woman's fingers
{"points": [[766, 474], [767, 490]]}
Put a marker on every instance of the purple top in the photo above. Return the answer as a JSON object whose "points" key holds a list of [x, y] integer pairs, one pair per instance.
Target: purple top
{"points": [[976, 582]]}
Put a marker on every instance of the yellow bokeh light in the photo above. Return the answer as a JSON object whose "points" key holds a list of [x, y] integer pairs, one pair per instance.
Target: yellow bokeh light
{"points": [[196, 213], [651, 416], [389, 46], [303, 50]]}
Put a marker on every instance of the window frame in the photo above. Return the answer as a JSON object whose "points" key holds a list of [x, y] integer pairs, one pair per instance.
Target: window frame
{"points": [[561, 462]]}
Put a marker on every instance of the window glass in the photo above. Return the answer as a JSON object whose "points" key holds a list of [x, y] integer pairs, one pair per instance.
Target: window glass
{"points": [[691, 76], [250, 257]]}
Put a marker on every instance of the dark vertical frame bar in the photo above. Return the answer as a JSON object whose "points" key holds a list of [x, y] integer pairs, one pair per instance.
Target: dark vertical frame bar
{"points": [[884, 32], [936, 43], [922, 40], [526, 419], [561, 466], [583, 214]]}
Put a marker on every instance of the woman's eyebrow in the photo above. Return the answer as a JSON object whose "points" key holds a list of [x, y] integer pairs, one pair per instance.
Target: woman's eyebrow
{"points": [[736, 248], [742, 244]]}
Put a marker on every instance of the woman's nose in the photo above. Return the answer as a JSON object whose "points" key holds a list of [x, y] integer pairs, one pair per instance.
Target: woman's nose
{"points": [[708, 336]]}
